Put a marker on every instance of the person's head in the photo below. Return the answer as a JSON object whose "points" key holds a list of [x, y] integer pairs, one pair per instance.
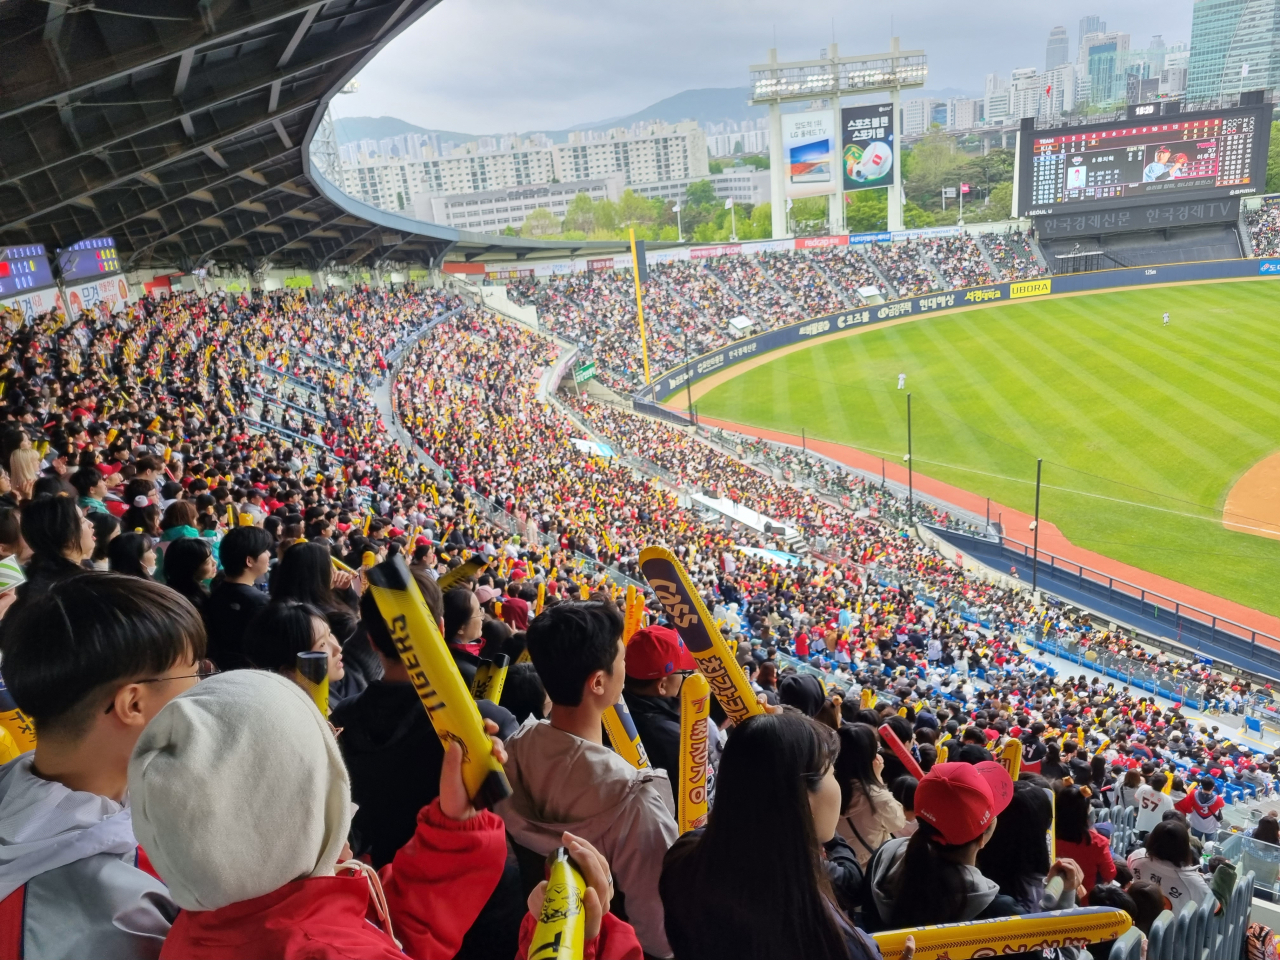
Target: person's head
{"points": [[523, 693], [55, 528], [92, 658], [1017, 849], [1149, 902], [1207, 785], [463, 618], [657, 662], [782, 763], [285, 628], [188, 563], [578, 651], [957, 810], [89, 482], [246, 550], [1133, 779], [180, 513], [237, 789], [1170, 840], [305, 574], [1162, 154], [859, 764], [132, 554], [105, 529], [1267, 830], [1071, 821], [802, 691], [1111, 895]]}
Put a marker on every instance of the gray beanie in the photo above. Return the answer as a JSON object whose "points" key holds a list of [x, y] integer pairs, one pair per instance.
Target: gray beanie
{"points": [[237, 788]]}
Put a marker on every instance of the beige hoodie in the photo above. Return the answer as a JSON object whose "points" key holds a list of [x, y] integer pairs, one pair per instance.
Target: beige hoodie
{"points": [[561, 782]]}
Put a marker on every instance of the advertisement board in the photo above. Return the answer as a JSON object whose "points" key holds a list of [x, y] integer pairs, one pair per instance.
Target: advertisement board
{"points": [[809, 146], [1170, 159], [866, 143], [111, 293], [34, 303]]}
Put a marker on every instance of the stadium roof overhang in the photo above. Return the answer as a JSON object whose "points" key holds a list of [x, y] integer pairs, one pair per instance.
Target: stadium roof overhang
{"points": [[182, 129]]}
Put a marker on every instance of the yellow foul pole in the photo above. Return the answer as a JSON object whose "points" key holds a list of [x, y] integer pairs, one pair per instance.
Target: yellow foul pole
{"points": [[635, 274]]}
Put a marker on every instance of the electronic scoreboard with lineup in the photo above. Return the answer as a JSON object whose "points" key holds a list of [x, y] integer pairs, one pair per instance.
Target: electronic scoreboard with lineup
{"points": [[1141, 161], [88, 260]]}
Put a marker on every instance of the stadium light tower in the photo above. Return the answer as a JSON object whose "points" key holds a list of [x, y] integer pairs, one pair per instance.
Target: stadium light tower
{"points": [[833, 77]]}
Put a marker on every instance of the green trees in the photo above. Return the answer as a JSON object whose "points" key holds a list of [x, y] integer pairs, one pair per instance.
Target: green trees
{"points": [[540, 223], [1273, 160]]}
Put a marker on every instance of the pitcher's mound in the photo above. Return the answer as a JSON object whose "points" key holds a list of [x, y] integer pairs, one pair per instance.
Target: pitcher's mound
{"points": [[1253, 505]]}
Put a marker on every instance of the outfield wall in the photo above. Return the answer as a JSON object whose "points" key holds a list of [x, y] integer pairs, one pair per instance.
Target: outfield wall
{"points": [[817, 328]]}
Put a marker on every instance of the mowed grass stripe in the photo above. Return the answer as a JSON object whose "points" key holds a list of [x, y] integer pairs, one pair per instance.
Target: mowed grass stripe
{"points": [[1158, 417], [1124, 412]]}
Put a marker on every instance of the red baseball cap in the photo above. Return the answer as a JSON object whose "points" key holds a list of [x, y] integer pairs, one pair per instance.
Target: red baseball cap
{"points": [[656, 652], [960, 800]]}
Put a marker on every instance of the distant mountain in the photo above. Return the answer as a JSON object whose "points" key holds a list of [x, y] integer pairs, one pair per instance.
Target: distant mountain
{"points": [[707, 105]]}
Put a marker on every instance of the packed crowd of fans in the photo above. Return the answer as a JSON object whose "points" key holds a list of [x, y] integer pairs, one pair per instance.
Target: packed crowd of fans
{"points": [[1264, 230], [689, 303], [169, 554], [1013, 255]]}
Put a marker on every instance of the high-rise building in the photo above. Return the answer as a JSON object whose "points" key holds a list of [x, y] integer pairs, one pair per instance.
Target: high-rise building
{"points": [[963, 113], [917, 117], [1104, 59], [1090, 25], [1058, 50], [1235, 46]]}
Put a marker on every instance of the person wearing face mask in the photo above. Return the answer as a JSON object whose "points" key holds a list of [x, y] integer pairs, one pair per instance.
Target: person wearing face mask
{"points": [[133, 554], [783, 763]]}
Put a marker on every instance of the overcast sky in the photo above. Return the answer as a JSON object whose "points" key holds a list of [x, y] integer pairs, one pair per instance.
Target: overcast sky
{"points": [[521, 65]]}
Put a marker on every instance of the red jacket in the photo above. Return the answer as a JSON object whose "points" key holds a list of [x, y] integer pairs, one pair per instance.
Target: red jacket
{"points": [[1094, 857], [435, 888]]}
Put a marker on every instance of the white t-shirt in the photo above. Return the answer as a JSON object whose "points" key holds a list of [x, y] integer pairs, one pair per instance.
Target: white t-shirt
{"points": [[1151, 804], [1184, 886]]}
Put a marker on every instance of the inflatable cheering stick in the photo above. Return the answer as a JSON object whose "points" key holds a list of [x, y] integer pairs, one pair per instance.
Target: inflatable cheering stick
{"points": [[901, 752], [436, 680], [621, 728], [312, 673], [1011, 758], [562, 921], [16, 723], [490, 677], [688, 614], [1008, 935], [462, 573], [695, 708]]}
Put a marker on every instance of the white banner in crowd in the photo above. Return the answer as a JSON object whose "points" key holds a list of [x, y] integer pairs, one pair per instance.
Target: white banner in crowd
{"points": [[109, 292], [33, 303]]}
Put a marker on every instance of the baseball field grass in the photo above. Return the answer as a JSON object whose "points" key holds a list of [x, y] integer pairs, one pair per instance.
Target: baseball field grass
{"points": [[1143, 428]]}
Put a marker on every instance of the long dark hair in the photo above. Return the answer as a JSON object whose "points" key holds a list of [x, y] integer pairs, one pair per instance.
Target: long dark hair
{"points": [[305, 574], [182, 561], [457, 611], [1071, 820], [1017, 849], [771, 762], [1170, 841], [859, 745], [125, 553], [928, 865], [51, 525], [279, 632]]}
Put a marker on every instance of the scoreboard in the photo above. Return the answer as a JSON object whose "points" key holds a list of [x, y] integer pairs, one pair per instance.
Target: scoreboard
{"points": [[1217, 154], [88, 260], [23, 269]]}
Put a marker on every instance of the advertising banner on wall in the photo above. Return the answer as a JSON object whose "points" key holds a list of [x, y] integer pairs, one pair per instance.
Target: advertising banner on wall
{"points": [[809, 146], [111, 293], [867, 146], [33, 303]]}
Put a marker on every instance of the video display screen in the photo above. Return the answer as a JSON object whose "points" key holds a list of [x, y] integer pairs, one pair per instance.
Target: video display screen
{"points": [[1220, 154], [24, 268], [88, 260]]}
